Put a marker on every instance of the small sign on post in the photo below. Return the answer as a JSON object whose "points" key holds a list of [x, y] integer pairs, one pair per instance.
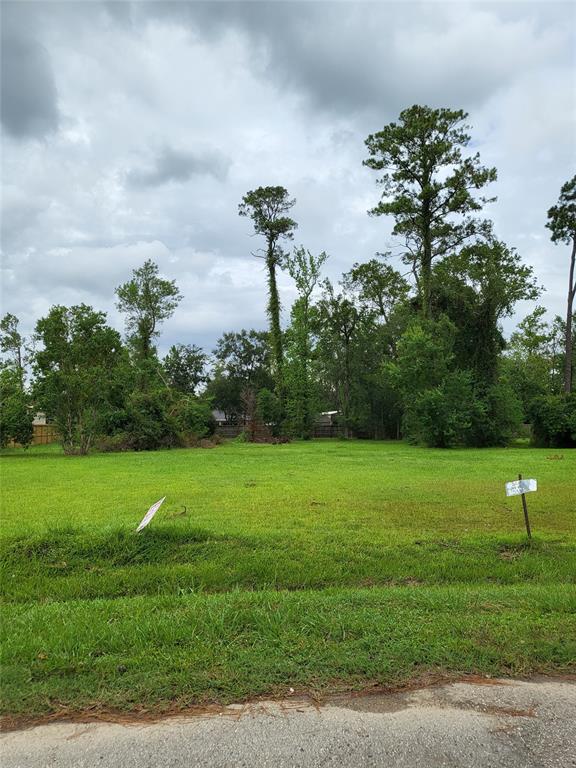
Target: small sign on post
{"points": [[521, 487]]}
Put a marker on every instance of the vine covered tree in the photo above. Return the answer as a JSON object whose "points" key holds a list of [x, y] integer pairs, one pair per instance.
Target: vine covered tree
{"points": [[489, 279], [428, 187], [268, 207], [562, 224]]}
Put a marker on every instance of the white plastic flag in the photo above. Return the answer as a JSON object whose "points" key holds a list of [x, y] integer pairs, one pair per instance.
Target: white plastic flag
{"points": [[150, 514]]}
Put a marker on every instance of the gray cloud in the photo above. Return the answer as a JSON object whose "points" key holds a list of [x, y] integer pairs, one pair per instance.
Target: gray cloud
{"points": [[20, 215], [379, 57], [29, 98], [180, 166]]}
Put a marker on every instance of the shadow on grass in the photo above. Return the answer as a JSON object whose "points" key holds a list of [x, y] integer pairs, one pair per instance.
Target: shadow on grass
{"points": [[75, 548], [79, 564], [20, 453]]}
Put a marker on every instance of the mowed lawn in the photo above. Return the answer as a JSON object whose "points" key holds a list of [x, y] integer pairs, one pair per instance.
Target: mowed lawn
{"points": [[315, 566]]}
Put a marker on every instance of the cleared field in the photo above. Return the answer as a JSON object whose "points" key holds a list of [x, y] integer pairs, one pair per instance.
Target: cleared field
{"points": [[314, 566]]}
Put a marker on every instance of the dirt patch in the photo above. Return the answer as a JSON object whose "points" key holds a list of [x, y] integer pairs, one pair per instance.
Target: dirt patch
{"points": [[390, 699], [507, 711]]}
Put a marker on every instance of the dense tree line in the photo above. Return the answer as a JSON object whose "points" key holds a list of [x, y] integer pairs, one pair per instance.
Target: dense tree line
{"points": [[416, 353]]}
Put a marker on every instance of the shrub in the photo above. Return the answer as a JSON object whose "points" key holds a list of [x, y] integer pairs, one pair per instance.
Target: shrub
{"points": [[15, 413], [554, 421], [194, 417], [441, 416], [119, 442], [496, 417], [159, 419], [150, 424], [269, 409]]}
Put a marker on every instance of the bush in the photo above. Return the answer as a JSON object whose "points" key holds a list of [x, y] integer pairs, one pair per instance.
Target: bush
{"points": [[496, 417], [150, 424], [194, 417], [159, 419], [117, 443], [269, 410], [554, 421], [15, 413], [441, 417]]}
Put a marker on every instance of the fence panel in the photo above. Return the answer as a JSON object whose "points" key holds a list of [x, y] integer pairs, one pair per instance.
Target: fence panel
{"points": [[44, 434]]}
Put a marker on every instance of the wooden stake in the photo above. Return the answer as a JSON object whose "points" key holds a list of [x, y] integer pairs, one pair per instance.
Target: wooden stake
{"points": [[525, 506]]}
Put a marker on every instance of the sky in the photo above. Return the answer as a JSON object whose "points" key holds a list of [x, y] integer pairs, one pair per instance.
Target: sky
{"points": [[132, 131]]}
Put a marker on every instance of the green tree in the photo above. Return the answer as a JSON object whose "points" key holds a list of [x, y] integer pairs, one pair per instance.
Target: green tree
{"points": [[534, 358], [428, 187], [352, 346], [226, 394], [151, 422], [12, 343], [268, 410], [268, 207], [245, 355], [75, 370], [562, 224], [15, 409], [380, 288], [338, 323], [242, 363], [146, 300], [441, 416], [304, 268], [488, 279], [425, 355], [184, 367], [438, 400], [553, 420]]}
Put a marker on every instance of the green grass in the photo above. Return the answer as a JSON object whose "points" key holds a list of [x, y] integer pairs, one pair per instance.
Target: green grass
{"points": [[319, 566]]}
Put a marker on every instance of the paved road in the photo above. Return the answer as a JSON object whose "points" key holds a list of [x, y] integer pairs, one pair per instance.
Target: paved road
{"points": [[506, 724]]}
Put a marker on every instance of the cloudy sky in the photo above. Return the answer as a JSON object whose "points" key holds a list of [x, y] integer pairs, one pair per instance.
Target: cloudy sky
{"points": [[132, 130]]}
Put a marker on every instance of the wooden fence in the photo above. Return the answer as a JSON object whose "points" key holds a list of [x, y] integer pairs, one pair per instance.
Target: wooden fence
{"points": [[42, 434], [319, 430], [327, 430], [230, 430], [257, 431]]}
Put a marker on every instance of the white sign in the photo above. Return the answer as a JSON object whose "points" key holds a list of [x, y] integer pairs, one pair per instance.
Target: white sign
{"points": [[150, 514], [516, 487]]}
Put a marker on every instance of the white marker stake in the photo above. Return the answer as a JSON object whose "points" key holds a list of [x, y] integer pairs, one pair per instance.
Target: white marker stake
{"points": [[520, 488], [150, 514]]}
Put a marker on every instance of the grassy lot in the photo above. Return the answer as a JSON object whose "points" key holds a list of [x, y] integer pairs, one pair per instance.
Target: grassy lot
{"points": [[317, 566]]}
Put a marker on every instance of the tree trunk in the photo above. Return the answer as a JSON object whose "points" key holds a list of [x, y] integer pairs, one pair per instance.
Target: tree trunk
{"points": [[569, 312], [20, 368], [426, 261], [347, 389], [426, 275], [274, 316]]}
